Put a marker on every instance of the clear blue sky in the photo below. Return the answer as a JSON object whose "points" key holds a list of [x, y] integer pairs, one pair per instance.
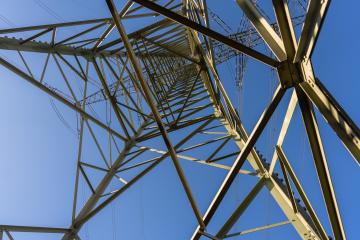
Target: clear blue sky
{"points": [[38, 153]]}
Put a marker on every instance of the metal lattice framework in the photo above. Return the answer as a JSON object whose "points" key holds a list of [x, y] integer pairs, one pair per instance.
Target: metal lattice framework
{"points": [[162, 80]]}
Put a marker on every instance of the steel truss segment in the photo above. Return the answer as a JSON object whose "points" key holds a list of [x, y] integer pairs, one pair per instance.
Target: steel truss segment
{"points": [[154, 110], [269, 35], [85, 213], [160, 55], [280, 153], [64, 46], [208, 32], [302, 53], [321, 164], [230, 177], [313, 22], [41, 47], [299, 220], [13, 228], [301, 223], [81, 221], [99, 190], [141, 174], [335, 116], [57, 25]]}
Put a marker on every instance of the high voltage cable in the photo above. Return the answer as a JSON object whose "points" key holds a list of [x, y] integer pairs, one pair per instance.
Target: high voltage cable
{"points": [[49, 10]]}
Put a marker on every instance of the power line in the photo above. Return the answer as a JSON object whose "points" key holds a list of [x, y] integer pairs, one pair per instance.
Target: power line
{"points": [[49, 10], [7, 21]]}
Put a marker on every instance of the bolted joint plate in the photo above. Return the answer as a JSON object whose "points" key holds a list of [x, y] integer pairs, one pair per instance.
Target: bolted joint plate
{"points": [[307, 71], [289, 74]]}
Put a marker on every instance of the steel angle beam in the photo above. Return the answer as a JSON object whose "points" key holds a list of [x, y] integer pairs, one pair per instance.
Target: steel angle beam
{"points": [[313, 22], [265, 30]]}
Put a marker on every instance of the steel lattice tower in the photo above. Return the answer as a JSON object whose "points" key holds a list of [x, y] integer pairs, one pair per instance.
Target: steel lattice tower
{"points": [[161, 82]]}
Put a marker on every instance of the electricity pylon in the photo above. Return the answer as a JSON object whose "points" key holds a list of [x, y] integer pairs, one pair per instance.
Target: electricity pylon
{"points": [[161, 81]]}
